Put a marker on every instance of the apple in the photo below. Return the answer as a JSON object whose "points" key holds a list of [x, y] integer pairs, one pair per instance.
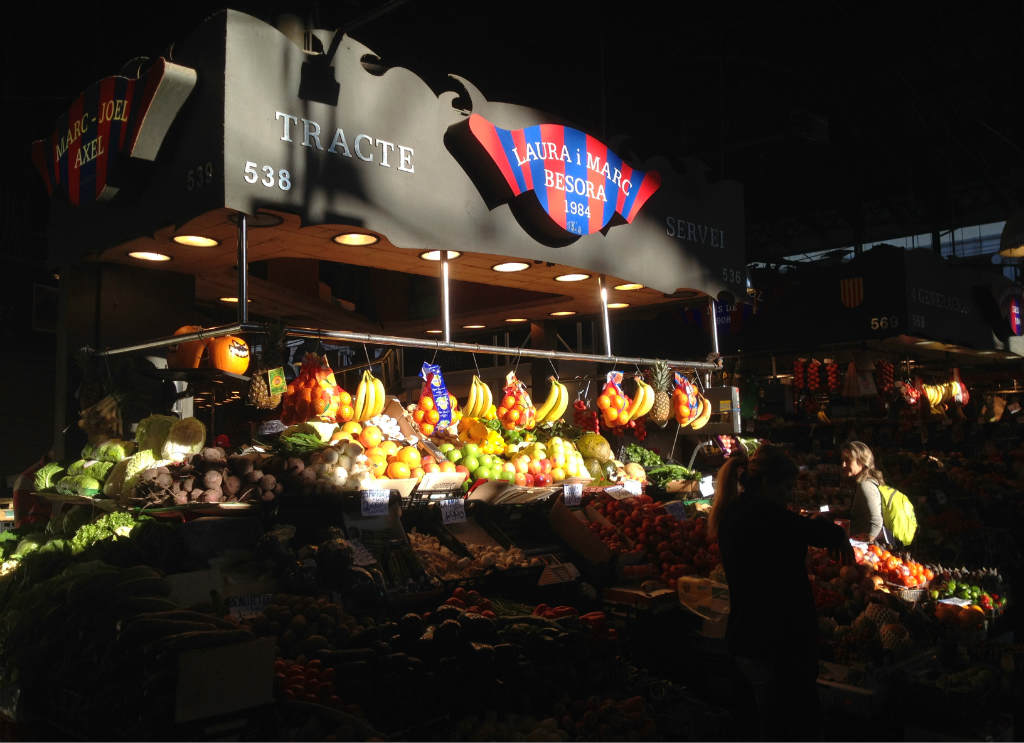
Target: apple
{"points": [[557, 474], [454, 456], [447, 466], [429, 459], [509, 477], [461, 468], [508, 467], [483, 472], [431, 466], [530, 480], [521, 464], [471, 461], [535, 467], [446, 447], [545, 465], [520, 478], [543, 479], [470, 450]]}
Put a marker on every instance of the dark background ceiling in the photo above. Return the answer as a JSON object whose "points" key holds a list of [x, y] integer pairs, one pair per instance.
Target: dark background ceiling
{"points": [[846, 123]]}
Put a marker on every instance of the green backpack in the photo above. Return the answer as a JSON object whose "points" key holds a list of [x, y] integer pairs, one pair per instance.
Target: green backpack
{"points": [[898, 516]]}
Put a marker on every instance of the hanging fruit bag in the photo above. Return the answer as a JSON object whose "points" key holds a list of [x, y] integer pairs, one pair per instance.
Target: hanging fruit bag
{"points": [[314, 394]]}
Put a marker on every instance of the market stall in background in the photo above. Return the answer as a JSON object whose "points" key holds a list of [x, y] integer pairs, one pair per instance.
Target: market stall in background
{"points": [[300, 513]]}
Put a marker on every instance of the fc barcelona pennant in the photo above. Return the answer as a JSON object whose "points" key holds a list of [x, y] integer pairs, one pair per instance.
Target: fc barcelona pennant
{"points": [[580, 183]]}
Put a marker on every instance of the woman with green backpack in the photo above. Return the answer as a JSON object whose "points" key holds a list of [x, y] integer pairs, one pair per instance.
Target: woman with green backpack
{"points": [[880, 513], [866, 522]]}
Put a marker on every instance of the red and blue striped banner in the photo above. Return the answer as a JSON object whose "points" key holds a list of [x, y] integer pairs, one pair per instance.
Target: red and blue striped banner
{"points": [[1015, 324], [579, 182]]}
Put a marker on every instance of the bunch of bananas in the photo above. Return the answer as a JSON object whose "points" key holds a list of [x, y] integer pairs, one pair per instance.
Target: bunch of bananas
{"points": [[554, 406], [480, 399], [370, 397], [643, 400], [934, 393]]}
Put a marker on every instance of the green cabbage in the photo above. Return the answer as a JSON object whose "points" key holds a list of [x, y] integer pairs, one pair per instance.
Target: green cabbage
{"points": [[114, 450], [47, 475], [152, 431], [79, 485], [186, 438], [122, 478]]}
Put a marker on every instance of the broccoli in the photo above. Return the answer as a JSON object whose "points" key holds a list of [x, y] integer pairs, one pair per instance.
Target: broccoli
{"points": [[108, 526]]}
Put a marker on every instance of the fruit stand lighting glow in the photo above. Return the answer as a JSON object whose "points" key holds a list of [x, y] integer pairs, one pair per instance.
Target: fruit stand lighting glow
{"points": [[573, 277], [435, 332], [435, 255], [628, 287], [562, 313], [516, 319], [145, 255], [195, 241], [355, 239], [232, 300], [618, 305], [510, 267], [474, 327]]}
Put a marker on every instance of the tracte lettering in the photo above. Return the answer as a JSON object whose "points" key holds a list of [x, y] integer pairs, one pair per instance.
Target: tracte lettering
{"points": [[367, 148]]}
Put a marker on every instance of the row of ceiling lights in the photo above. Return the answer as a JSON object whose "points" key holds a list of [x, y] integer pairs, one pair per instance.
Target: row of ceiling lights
{"points": [[358, 239]]}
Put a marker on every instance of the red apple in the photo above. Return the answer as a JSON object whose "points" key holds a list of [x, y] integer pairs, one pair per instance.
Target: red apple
{"points": [[521, 478], [535, 467], [543, 479], [431, 466], [447, 467], [429, 459], [461, 468], [530, 479], [546, 466]]}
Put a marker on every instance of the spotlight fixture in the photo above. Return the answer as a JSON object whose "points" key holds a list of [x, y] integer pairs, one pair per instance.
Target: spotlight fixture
{"points": [[510, 267], [355, 239], [628, 287], [618, 305], [563, 313], [435, 255], [474, 327], [573, 277], [435, 332], [146, 255], [195, 241], [517, 319]]}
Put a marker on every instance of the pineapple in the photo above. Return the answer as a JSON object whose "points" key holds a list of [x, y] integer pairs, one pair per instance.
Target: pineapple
{"points": [[259, 386], [662, 408]]}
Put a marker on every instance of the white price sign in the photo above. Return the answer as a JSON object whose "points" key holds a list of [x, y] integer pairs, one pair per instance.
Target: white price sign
{"points": [[374, 502], [707, 486], [248, 605], [573, 493], [453, 511], [633, 487], [823, 509]]}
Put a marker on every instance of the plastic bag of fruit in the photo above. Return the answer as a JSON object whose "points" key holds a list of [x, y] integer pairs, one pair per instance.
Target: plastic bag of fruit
{"points": [[613, 402], [315, 394], [516, 409], [685, 400], [436, 407]]}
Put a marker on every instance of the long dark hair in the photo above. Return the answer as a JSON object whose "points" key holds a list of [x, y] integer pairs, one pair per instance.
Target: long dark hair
{"points": [[770, 474]]}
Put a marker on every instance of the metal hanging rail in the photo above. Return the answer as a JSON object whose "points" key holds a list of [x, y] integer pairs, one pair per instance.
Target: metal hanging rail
{"points": [[394, 340]]}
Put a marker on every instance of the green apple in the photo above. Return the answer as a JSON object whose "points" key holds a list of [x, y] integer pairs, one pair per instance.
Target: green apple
{"points": [[446, 447], [471, 461], [470, 450], [454, 455]]}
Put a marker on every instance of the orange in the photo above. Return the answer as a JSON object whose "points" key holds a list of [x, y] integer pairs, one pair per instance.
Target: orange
{"points": [[427, 428], [623, 417], [513, 415], [432, 417], [426, 403], [417, 472], [508, 402], [603, 402], [502, 412], [410, 455], [390, 447], [398, 470], [346, 413], [344, 398], [376, 452], [370, 436], [419, 415], [352, 427]]}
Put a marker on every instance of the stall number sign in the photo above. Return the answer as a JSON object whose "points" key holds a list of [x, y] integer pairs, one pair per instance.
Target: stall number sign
{"points": [[374, 502], [573, 493], [453, 511], [707, 486]]}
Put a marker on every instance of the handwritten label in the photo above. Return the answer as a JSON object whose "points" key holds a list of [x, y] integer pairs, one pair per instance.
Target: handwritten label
{"points": [[248, 605], [573, 493], [707, 486], [453, 511], [374, 502]]}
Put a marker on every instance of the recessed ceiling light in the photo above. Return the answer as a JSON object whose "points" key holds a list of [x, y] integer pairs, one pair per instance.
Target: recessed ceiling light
{"points": [[355, 239], [562, 313], [517, 319], [145, 255], [232, 300], [629, 287], [618, 305], [510, 267], [474, 327], [435, 332], [435, 255], [195, 241], [573, 277]]}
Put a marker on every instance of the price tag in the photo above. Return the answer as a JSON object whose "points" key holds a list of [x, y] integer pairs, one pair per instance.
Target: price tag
{"points": [[676, 509], [453, 511], [823, 509], [633, 487], [361, 557], [573, 493], [707, 486], [956, 601], [248, 605], [374, 502], [276, 381]]}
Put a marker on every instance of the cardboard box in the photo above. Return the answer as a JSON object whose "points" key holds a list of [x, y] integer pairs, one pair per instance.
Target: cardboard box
{"points": [[221, 680], [707, 599], [569, 525], [498, 492]]}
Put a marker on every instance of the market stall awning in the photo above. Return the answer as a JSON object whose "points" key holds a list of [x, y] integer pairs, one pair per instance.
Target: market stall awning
{"points": [[328, 146]]}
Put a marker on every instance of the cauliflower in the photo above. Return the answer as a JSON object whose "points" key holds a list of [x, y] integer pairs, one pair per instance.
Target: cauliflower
{"points": [[185, 438]]}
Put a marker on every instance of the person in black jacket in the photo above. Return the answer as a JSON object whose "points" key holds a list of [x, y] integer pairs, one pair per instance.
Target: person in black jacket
{"points": [[772, 630]]}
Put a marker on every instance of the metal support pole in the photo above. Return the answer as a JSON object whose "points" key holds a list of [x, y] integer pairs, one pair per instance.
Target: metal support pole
{"points": [[604, 314], [714, 325], [445, 307], [579, 336], [243, 270]]}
